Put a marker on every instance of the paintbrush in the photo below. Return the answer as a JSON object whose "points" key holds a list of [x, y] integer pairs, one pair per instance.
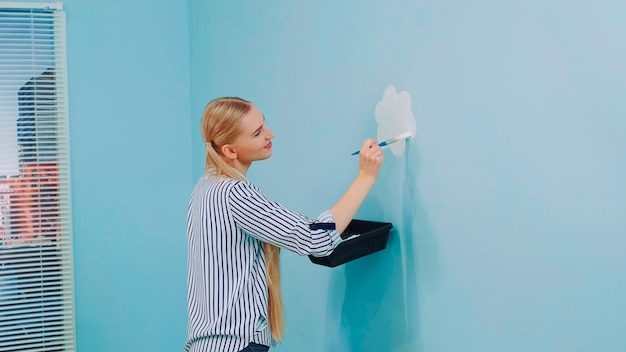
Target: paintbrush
{"points": [[404, 135]]}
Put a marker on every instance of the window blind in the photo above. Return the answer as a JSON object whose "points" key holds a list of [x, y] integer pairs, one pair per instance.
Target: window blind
{"points": [[36, 266]]}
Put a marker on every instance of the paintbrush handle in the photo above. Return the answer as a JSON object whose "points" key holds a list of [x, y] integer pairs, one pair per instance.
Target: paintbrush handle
{"points": [[381, 144]]}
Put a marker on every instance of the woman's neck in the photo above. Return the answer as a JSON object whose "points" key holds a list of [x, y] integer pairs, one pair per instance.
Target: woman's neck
{"points": [[240, 167]]}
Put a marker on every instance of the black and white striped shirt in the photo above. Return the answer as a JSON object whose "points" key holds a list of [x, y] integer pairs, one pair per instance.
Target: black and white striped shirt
{"points": [[227, 223]]}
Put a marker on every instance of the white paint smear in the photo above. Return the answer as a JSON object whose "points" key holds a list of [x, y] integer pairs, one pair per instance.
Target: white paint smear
{"points": [[394, 117]]}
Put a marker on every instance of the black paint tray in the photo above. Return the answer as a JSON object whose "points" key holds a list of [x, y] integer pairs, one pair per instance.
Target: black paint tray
{"points": [[361, 238]]}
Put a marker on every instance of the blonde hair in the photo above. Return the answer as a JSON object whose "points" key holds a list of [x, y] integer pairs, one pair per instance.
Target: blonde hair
{"points": [[221, 121]]}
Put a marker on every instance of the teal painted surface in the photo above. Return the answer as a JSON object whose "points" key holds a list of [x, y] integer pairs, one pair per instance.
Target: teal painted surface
{"points": [[128, 69], [509, 204]]}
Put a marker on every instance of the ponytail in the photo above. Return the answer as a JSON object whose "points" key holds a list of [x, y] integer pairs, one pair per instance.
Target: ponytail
{"points": [[275, 300]]}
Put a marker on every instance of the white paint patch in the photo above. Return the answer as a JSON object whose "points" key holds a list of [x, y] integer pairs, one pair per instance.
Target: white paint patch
{"points": [[394, 117]]}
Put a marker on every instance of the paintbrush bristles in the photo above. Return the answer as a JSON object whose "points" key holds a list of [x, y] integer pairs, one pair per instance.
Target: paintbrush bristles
{"points": [[404, 135]]}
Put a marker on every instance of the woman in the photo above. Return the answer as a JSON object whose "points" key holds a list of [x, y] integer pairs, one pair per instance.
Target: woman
{"points": [[235, 232]]}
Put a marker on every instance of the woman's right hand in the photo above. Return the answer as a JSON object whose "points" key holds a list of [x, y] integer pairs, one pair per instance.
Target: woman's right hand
{"points": [[371, 158]]}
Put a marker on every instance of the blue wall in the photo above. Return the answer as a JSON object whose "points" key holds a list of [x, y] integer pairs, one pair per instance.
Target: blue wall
{"points": [[509, 204], [128, 70]]}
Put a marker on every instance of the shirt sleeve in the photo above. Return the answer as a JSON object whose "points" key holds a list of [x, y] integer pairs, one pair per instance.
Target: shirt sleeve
{"points": [[271, 222]]}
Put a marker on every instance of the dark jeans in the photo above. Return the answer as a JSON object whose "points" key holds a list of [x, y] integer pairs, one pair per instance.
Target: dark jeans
{"points": [[255, 347]]}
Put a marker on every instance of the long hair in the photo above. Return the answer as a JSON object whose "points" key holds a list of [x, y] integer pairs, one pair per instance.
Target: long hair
{"points": [[221, 122]]}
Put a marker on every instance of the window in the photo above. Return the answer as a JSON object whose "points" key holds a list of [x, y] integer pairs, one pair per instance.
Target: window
{"points": [[36, 269]]}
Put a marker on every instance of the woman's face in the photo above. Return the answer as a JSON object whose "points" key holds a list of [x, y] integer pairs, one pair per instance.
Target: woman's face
{"points": [[254, 140]]}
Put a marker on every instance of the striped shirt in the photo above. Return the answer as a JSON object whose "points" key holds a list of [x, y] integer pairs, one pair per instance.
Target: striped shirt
{"points": [[227, 223]]}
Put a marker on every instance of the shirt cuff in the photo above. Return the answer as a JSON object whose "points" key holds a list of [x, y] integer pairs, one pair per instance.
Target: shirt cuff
{"points": [[335, 237]]}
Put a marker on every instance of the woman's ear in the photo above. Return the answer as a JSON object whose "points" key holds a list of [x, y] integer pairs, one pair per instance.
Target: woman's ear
{"points": [[229, 152]]}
